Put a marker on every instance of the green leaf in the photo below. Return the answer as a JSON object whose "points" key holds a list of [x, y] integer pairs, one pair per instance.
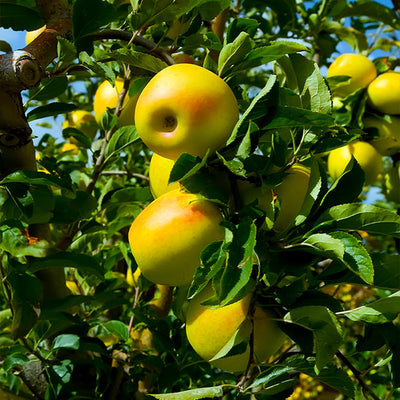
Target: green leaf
{"points": [[33, 178], [346, 188], [378, 312], [24, 319], [19, 18], [266, 54], [122, 138], [117, 328], [49, 88], [100, 69], [139, 59], [372, 9], [326, 330], [387, 271], [287, 117], [312, 87], [185, 166], [331, 375], [66, 341], [356, 257], [327, 244], [70, 209], [193, 394], [263, 92], [126, 195], [233, 52], [50, 110], [66, 53], [240, 262], [89, 16], [357, 216], [12, 241], [285, 11], [239, 25], [15, 360], [84, 263]]}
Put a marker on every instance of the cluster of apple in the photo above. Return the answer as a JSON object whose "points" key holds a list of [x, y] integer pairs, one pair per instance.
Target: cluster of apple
{"points": [[187, 109], [383, 99]]}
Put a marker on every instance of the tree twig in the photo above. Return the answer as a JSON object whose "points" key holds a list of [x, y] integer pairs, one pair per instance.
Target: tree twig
{"points": [[357, 375]]}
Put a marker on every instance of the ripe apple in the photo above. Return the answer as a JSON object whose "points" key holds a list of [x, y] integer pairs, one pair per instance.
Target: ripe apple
{"points": [[388, 142], [71, 148], [365, 154], [185, 109], [361, 70], [159, 171], [210, 329], [290, 193], [168, 236], [106, 96], [392, 183], [384, 93], [83, 121], [30, 36]]}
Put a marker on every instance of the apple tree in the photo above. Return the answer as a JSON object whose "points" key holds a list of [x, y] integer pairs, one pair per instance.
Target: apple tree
{"points": [[315, 253]]}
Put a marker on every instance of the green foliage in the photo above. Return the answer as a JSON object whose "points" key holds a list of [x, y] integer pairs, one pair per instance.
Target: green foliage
{"points": [[331, 279]]}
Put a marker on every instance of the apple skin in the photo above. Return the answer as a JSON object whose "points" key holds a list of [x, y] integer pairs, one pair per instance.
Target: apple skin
{"points": [[209, 330], [388, 142], [384, 93], [168, 236], [106, 96], [361, 70], [185, 109], [365, 154], [392, 183], [291, 193], [159, 171]]}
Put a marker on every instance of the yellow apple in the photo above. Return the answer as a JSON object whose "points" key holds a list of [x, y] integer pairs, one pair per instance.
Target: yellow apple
{"points": [[388, 142], [83, 121], [209, 329], [359, 68], [290, 193], [392, 183], [30, 36], [365, 154], [384, 93], [185, 109], [106, 96], [159, 171], [70, 148], [168, 236]]}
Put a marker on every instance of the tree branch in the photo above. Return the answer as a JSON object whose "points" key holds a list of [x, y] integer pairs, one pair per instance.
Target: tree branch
{"points": [[136, 39]]}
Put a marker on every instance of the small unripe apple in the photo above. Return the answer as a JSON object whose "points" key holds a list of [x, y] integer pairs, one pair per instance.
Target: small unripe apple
{"points": [[159, 172], [185, 109], [168, 236], [365, 154], [388, 142], [361, 70]]}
